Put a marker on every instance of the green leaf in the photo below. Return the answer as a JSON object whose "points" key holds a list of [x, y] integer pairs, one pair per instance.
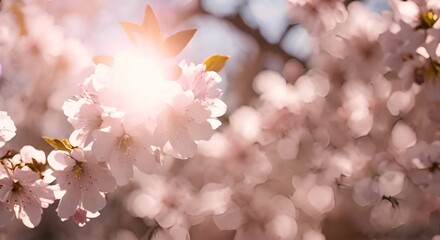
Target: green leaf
{"points": [[107, 60], [63, 144], [132, 29], [215, 63], [151, 26], [174, 44]]}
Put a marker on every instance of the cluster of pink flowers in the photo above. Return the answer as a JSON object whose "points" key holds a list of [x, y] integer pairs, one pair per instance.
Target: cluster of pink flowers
{"points": [[131, 115], [352, 141], [39, 66], [24, 180]]}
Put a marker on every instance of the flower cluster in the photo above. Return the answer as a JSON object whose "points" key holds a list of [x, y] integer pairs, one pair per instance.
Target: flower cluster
{"points": [[131, 120], [24, 181], [349, 149], [130, 114], [39, 66]]}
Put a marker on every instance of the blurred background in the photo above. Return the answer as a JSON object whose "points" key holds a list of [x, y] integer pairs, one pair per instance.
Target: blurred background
{"points": [[257, 34]]}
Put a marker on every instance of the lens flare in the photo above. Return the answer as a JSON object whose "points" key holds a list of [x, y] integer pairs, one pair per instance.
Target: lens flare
{"points": [[142, 82]]}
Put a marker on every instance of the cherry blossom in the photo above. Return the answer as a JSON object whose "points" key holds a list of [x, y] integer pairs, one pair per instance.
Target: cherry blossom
{"points": [[318, 16], [122, 147], [24, 194], [422, 162], [166, 201], [85, 116], [183, 123], [345, 146], [7, 128], [81, 180], [201, 82], [253, 217]]}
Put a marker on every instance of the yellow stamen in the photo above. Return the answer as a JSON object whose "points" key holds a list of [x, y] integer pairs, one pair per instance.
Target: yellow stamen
{"points": [[427, 20]]}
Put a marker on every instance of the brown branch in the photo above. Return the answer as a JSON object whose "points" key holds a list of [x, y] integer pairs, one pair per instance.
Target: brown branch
{"points": [[238, 22]]}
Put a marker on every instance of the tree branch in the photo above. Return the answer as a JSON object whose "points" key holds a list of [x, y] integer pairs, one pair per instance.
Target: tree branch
{"points": [[238, 22]]}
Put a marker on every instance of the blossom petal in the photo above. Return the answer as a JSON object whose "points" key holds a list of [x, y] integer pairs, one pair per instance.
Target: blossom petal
{"points": [[103, 145], [104, 180], [121, 167], [68, 204], [59, 160], [93, 200], [31, 214]]}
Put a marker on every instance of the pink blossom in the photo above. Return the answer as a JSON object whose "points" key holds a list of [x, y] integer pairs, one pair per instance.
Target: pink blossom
{"points": [[85, 117], [122, 147], [318, 16], [25, 194], [411, 11], [37, 159], [182, 123], [423, 161], [82, 181], [259, 215], [202, 83], [7, 128], [164, 201]]}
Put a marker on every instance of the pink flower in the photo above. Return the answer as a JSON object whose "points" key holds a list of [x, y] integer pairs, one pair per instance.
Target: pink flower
{"points": [[174, 203], [411, 12], [25, 194], [201, 82], [259, 215], [29, 155], [356, 42], [7, 128], [313, 199], [123, 146], [82, 181], [85, 117], [318, 16], [431, 86], [37, 160], [423, 161], [182, 123], [190, 115], [162, 200], [239, 161], [282, 130]]}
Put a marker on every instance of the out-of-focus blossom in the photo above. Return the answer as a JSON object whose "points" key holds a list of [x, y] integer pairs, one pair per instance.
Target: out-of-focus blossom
{"points": [[34, 55], [422, 161], [7, 128], [174, 204], [318, 16], [259, 215]]}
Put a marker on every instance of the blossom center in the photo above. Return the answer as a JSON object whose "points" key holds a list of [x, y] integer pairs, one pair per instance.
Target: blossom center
{"points": [[125, 144], [427, 20], [78, 170], [16, 187], [392, 200], [170, 202], [430, 73], [435, 166]]}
